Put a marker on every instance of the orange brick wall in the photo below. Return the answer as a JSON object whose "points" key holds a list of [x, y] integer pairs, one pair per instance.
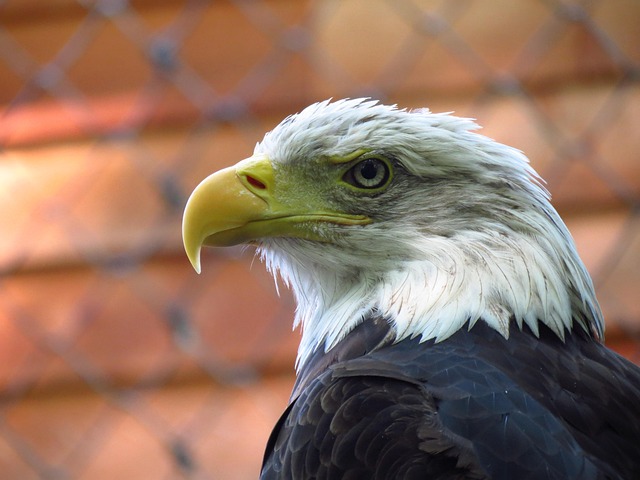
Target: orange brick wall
{"points": [[116, 359]]}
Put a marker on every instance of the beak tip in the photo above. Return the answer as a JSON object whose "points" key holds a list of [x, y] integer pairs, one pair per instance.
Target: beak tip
{"points": [[194, 259], [192, 249], [197, 267]]}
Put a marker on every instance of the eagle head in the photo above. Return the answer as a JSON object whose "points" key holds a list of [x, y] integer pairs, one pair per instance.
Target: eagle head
{"points": [[367, 209]]}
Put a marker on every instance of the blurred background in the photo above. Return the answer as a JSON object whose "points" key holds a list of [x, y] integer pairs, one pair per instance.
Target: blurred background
{"points": [[116, 359]]}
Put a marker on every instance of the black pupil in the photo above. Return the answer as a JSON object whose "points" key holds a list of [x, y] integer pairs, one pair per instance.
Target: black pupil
{"points": [[369, 170]]}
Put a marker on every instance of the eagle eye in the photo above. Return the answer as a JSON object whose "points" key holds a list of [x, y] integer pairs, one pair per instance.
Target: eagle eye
{"points": [[370, 173]]}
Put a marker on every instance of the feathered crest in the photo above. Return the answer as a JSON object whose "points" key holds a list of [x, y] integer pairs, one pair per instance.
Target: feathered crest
{"points": [[483, 244]]}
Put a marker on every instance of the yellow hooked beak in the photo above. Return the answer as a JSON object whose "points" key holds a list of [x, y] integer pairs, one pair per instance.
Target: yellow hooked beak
{"points": [[238, 204]]}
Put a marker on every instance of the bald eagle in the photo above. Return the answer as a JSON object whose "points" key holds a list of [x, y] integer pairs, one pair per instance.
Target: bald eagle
{"points": [[449, 328]]}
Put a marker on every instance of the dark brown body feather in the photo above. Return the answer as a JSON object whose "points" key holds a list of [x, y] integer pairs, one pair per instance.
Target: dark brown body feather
{"points": [[475, 406]]}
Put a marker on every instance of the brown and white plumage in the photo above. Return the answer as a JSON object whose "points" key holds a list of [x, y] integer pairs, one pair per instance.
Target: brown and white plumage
{"points": [[449, 328]]}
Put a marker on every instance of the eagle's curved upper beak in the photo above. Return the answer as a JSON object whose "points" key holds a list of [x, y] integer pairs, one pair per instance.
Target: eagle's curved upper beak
{"points": [[239, 204]]}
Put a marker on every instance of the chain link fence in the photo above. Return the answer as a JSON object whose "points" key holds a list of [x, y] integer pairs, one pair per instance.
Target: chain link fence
{"points": [[116, 360]]}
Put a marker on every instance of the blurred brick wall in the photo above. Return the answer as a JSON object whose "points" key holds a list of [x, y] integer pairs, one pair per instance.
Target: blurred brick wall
{"points": [[116, 360]]}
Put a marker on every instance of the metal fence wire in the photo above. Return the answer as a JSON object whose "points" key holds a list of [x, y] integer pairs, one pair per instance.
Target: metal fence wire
{"points": [[116, 360]]}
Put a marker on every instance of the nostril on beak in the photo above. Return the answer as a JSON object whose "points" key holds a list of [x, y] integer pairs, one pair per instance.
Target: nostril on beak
{"points": [[254, 182]]}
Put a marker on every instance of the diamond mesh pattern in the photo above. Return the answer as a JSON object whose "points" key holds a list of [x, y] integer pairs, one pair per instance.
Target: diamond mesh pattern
{"points": [[116, 360]]}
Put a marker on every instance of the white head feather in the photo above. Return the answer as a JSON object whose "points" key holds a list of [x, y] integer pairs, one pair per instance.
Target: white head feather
{"points": [[469, 236]]}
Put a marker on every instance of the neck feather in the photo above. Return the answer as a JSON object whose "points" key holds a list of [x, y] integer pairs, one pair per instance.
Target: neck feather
{"points": [[491, 277]]}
